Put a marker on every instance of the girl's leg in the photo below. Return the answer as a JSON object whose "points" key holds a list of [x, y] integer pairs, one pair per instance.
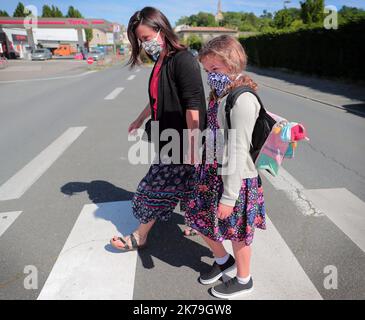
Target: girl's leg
{"points": [[242, 254], [217, 247]]}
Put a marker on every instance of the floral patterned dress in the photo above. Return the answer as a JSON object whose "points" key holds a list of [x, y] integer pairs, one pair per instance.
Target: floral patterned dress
{"points": [[201, 211]]}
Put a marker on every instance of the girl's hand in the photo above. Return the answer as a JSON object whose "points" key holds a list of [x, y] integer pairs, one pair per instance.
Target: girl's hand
{"points": [[136, 124], [224, 211]]}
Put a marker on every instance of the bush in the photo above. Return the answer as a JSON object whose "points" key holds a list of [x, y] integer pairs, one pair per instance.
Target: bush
{"points": [[334, 53], [194, 42]]}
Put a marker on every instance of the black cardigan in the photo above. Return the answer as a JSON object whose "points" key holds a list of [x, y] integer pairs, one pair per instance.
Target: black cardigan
{"points": [[180, 88]]}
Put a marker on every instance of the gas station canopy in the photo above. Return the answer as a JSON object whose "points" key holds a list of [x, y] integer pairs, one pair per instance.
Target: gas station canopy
{"points": [[62, 23]]}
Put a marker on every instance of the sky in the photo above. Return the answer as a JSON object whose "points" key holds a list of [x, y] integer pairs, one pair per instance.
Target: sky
{"points": [[121, 10]]}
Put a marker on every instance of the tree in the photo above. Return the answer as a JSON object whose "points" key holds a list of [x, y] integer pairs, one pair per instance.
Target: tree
{"points": [[56, 13], [51, 12], [88, 35], [312, 11], [3, 13], [348, 14], [285, 17], [183, 20], [46, 11], [266, 15], [20, 11], [73, 13], [202, 19]]}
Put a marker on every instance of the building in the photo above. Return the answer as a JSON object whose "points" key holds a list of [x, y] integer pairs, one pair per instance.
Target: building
{"points": [[18, 35], [219, 15], [205, 33], [113, 35]]}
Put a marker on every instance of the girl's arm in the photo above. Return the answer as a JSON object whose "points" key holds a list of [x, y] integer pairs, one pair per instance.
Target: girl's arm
{"points": [[238, 159]]}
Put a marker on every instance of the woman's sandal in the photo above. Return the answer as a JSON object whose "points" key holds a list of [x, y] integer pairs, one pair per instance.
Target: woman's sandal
{"points": [[135, 245]]}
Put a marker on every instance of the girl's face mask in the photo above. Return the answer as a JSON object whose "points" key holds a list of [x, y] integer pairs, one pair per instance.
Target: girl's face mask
{"points": [[218, 82], [153, 47]]}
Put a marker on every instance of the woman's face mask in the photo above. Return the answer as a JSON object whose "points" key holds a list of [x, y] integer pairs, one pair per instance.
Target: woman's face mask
{"points": [[218, 82], [153, 47]]}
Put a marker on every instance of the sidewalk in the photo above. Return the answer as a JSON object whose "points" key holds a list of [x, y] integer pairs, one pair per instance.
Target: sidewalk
{"points": [[346, 96]]}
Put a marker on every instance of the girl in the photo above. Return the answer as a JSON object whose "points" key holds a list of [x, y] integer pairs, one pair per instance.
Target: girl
{"points": [[228, 206], [176, 101]]}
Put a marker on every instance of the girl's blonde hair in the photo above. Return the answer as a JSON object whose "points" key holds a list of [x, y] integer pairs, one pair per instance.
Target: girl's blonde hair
{"points": [[234, 57]]}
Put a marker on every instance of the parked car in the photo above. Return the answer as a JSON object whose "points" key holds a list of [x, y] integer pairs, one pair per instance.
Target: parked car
{"points": [[41, 54], [96, 54], [194, 52], [65, 50]]}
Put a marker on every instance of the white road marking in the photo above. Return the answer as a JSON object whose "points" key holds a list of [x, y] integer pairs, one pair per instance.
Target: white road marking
{"points": [[114, 94], [18, 184], [131, 77], [341, 206], [47, 79], [344, 209], [6, 220], [294, 190], [22, 69], [87, 267], [279, 274], [138, 70]]}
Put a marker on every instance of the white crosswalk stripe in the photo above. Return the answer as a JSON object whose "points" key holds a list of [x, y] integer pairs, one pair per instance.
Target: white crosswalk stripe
{"points": [[276, 272], [285, 182], [6, 220], [344, 209], [18, 184], [86, 268]]}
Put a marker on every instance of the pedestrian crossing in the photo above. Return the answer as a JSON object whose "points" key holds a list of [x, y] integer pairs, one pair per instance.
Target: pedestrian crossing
{"points": [[89, 268]]}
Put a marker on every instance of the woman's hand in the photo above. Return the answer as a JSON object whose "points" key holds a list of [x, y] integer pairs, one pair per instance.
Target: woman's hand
{"points": [[136, 124], [224, 211]]}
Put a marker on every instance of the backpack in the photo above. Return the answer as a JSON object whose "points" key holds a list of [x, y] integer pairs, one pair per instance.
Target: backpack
{"points": [[263, 125]]}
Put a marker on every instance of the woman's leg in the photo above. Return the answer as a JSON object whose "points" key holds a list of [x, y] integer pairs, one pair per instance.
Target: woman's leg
{"points": [[242, 254], [140, 235], [142, 231]]}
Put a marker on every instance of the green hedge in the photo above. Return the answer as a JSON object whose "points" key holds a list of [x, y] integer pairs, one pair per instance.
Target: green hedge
{"points": [[334, 53]]}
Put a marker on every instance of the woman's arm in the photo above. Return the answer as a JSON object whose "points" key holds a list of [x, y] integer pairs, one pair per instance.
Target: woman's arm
{"points": [[192, 120]]}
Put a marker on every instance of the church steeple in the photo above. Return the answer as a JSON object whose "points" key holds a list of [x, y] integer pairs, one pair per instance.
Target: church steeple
{"points": [[219, 15]]}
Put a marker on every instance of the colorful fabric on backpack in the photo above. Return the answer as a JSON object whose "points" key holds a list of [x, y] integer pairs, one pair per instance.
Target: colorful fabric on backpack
{"points": [[280, 144]]}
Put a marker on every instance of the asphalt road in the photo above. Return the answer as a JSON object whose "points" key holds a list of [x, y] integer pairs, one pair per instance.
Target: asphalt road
{"points": [[64, 147]]}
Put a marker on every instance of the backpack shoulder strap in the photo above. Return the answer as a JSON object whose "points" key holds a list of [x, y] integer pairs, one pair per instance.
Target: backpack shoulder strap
{"points": [[232, 98]]}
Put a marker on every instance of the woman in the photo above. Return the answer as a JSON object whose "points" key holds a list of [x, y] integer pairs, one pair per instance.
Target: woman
{"points": [[176, 101]]}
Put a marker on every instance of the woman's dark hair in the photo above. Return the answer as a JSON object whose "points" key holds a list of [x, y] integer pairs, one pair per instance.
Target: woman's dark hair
{"points": [[156, 20]]}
